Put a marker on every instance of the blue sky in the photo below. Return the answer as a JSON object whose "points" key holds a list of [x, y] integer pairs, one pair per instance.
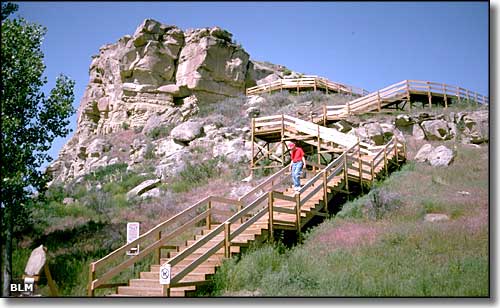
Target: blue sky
{"points": [[364, 44]]}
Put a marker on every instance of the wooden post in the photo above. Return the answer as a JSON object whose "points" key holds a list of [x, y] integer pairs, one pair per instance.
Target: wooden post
{"points": [[253, 147], [378, 101], [240, 206], [318, 149], [324, 115], [314, 84], [50, 281], [346, 179], [360, 164], [373, 171], [458, 95], [348, 108], [467, 93], [227, 239], [283, 146], [429, 94], [325, 191], [445, 99], [298, 88], [408, 92], [385, 161], [475, 98], [396, 149], [208, 220], [297, 211], [91, 291], [270, 201], [281, 85], [166, 290], [158, 250]]}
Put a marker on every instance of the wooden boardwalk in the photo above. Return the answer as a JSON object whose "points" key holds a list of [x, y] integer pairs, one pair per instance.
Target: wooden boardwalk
{"points": [[306, 83]]}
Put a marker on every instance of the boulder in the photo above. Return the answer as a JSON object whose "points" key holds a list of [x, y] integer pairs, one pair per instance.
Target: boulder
{"points": [[437, 130], [342, 126], [36, 261], [254, 100], [423, 153], [436, 217], [153, 193], [142, 188], [252, 112], [440, 156], [375, 133], [187, 132], [418, 132], [475, 126]]}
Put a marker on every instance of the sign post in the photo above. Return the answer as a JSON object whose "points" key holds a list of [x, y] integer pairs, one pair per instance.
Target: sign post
{"points": [[132, 235], [165, 273]]}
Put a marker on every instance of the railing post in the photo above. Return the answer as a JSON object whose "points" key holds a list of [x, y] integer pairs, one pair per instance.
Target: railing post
{"points": [[240, 206], [282, 142], [348, 108], [467, 93], [270, 201], [324, 115], [158, 250], [346, 178], [253, 147], [408, 92], [445, 98], [458, 95], [227, 239], [396, 149], [378, 101], [318, 148], [297, 211], [166, 290], [209, 219], [475, 98], [385, 161], [373, 171], [359, 167], [298, 88], [429, 94], [315, 84], [325, 190], [281, 85], [91, 291]]}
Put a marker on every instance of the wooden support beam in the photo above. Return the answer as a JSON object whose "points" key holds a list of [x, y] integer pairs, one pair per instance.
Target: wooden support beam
{"points": [[325, 192], [91, 291], [208, 220], [297, 214], [270, 201], [253, 146], [408, 95], [429, 94], [346, 180], [378, 101], [445, 98], [227, 240]]}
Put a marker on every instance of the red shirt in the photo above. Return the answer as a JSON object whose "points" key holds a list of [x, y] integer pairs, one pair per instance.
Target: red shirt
{"points": [[297, 154]]}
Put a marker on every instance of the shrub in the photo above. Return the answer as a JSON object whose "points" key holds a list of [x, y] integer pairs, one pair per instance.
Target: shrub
{"points": [[160, 131], [196, 174]]}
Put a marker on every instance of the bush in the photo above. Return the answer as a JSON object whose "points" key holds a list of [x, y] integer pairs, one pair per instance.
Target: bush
{"points": [[160, 131], [195, 174]]}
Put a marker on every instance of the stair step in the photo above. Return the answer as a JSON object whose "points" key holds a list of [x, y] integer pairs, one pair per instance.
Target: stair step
{"points": [[140, 291], [202, 268], [193, 276]]}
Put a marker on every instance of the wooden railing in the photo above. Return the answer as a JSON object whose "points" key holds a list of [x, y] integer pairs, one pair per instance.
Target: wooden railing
{"points": [[156, 239], [306, 82], [402, 90], [287, 123]]}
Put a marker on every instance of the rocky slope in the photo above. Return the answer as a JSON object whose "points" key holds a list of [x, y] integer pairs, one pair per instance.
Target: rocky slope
{"points": [[158, 76]]}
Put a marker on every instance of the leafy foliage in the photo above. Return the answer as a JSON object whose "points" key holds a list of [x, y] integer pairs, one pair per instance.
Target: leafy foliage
{"points": [[30, 121]]}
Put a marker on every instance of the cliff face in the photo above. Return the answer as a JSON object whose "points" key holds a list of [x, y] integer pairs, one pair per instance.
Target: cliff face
{"points": [[157, 76]]}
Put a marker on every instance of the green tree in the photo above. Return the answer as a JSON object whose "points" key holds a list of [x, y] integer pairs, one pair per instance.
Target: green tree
{"points": [[30, 121]]}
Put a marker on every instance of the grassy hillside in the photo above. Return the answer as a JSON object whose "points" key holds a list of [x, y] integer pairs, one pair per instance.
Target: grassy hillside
{"points": [[380, 245]]}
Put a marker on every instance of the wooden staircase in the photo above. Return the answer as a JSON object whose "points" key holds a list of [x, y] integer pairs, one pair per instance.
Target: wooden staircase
{"points": [[196, 241]]}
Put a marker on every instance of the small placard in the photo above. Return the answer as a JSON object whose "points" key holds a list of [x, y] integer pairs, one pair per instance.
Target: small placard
{"points": [[165, 274], [132, 235]]}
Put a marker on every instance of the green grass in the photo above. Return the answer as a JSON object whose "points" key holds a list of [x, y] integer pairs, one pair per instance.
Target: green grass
{"points": [[195, 174], [407, 256]]}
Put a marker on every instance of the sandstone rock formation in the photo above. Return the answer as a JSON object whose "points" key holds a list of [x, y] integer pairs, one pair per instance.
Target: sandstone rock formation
{"points": [[159, 76]]}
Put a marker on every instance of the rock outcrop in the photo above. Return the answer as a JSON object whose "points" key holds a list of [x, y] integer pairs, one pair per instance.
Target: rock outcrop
{"points": [[159, 76]]}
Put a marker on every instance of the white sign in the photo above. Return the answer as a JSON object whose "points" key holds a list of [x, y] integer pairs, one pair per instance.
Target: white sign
{"points": [[165, 274], [132, 235]]}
